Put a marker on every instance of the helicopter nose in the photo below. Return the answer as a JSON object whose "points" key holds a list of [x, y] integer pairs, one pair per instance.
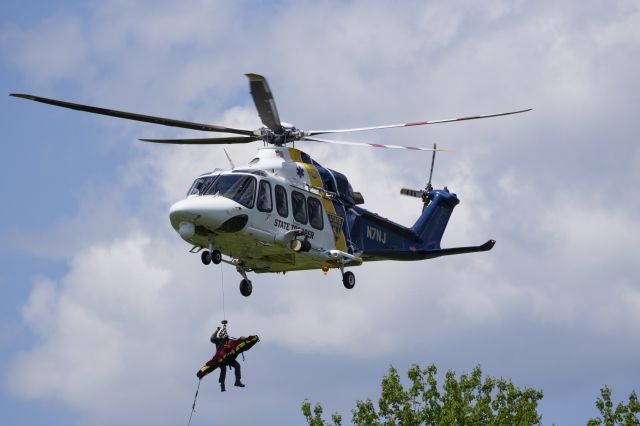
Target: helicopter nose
{"points": [[217, 214]]}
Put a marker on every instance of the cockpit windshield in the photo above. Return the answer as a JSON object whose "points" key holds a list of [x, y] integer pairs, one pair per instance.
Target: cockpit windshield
{"points": [[200, 185], [239, 188]]}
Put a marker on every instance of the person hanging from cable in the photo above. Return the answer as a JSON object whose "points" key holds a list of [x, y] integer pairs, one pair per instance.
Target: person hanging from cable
{"points": [[221, 339], [227, 350]]}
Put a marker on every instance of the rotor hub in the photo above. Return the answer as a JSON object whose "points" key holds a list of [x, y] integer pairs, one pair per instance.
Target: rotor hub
{"points": [[288, 134]]}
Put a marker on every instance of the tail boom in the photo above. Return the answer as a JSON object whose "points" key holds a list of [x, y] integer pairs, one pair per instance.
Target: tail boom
{"points": [[381, 239]]}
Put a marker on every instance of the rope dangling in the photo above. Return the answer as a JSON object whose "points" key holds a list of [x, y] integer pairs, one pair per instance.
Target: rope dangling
{"points": [[193, 407]]}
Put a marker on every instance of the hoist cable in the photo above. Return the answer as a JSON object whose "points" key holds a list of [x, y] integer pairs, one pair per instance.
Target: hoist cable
{"points": [[224, 314]]}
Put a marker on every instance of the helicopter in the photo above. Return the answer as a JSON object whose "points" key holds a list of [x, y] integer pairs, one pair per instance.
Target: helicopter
{"points": [[284, 211]]}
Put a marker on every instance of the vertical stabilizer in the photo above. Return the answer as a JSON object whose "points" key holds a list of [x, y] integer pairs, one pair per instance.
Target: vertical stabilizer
{"points": [[432, 222]]}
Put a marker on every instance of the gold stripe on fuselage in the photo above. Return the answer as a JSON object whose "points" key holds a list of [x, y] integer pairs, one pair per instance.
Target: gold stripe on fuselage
{"points": [[314, 178]]}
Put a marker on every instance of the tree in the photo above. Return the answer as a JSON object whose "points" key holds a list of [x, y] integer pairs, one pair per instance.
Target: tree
{"points": [[469, 400], [315, 419], [623, 414]]}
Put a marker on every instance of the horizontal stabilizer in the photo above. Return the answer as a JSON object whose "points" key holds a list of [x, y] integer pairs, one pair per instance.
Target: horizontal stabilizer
{"points": [[429, 254], [391, 254]]}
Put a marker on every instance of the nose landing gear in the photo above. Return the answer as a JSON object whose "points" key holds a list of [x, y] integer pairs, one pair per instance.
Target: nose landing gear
{"points": [[211, 256]]}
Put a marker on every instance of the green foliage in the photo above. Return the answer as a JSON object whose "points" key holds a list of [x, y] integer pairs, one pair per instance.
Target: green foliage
{"points": [[315, 418], [469, 400], [623, 414]]}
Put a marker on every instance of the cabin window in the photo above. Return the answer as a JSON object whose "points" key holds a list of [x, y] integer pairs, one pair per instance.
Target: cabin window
{"points": [[281, 201], [315, 213], [239, 188], [299, 206], [264, 202]]}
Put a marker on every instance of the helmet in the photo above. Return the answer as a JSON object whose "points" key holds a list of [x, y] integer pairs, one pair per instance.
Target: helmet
{"points": [[223, 333]]}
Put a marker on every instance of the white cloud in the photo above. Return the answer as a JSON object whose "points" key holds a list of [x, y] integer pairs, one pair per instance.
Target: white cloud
{"points": [[82, 323], [590, 235], [620, 31], [39, 310], [104, 327]]}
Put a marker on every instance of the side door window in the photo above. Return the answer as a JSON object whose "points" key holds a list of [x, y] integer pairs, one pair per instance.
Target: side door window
{"points": [[282, 204], [315, 213], [264, 197], [244, 191], [299, 206]]}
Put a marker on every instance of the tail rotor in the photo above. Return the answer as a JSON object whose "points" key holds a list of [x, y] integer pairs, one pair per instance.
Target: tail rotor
{"points": [[425, 193]]}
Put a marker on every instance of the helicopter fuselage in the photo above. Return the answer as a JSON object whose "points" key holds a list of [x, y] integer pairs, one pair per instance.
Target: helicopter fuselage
{"points": [[254, 213]]}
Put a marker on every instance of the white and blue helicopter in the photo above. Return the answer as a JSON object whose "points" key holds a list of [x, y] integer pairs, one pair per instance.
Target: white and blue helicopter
{"points": [[283, 211]]}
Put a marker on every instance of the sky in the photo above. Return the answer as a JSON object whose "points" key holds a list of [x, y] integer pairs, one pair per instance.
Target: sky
{"points": [[104, 315]]}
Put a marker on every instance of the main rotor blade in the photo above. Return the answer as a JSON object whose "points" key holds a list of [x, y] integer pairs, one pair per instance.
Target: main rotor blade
{"points": [[136, 117], [418, 123], [265, 104], [205, 141], [371, 145]]}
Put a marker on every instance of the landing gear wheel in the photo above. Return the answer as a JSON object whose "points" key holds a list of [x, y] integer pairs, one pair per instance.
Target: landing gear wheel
{"points": [[349, 280], [216, 257], [205, 257], [246, 287]]}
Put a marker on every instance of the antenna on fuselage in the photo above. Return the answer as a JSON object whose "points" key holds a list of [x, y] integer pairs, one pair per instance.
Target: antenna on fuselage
{"points": [[233, 166]]}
